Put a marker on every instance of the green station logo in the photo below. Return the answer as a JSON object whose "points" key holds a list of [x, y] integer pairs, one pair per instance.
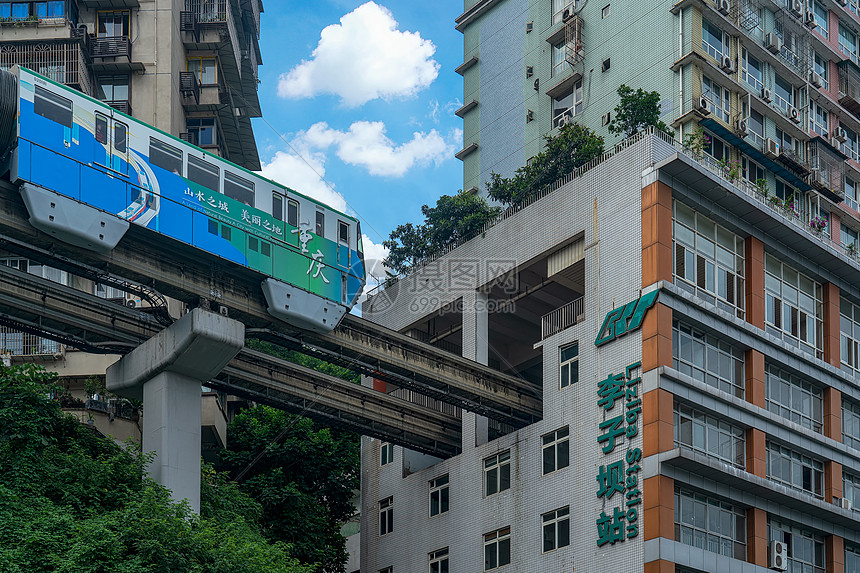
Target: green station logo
{"points": [[625, 318]]}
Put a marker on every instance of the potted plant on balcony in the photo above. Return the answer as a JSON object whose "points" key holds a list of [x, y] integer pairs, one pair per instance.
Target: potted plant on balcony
{"points": [[696, 142], [762, 189], [818, 223], [730, 168], [851, 248]]}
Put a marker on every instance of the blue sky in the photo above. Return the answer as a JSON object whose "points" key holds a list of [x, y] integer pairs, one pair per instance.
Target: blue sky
{"points": [[365, 93]]}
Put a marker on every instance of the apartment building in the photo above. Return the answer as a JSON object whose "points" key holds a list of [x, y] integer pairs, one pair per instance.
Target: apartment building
{"points": [[689, 313], [187, 67]]}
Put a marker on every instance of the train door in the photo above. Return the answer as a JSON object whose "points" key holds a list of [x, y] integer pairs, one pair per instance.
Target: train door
{"points": [[111, 143], [343, 244]]}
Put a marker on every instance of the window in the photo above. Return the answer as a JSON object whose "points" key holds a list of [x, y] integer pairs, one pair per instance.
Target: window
{"points": [[709, 435], [706, 359], [710, 524], [852, 554], [52, 106], [820, 18], [819, 65], [605, 11], [439, 561], [714, 42], [848, 42], [850, 239], [709, 260], [555, 450], [795, 470], [213, 227], [120, 137], [751, 70], [278, 206], [793, 308], [606, 65], [439, 495], [805, 549], [238, 188], [387, 570], [497, 548], [112, 23], [787, 144], [793, 399], [293, 213], [851, 492], [718, 96], [343, 251], [320, 226], [226, 232], [201, 131], [112, 88], [569, 365], [54, 9], [386, 453], [818, 119], [165, 156], [559, 59], [497, 473], [38, 269], [716, 147], [206, 69], [849, 320], [567, 105], [386, 516], [203, 173], [556, 529], [558, 8], [851, 149], [752, 16], [851, 425], [783, 94], [752, 171], [40, 10]]}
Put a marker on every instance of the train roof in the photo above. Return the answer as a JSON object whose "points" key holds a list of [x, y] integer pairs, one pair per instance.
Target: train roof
{"points": [[183, 142]]}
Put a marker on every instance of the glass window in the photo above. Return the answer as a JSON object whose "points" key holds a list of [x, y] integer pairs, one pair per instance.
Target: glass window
{"points": [[787, 144], [556, 529], [707, 359], [848, 42], [558, 8], [819, 119], [278, 206], [794, 399], [559, 59], [386, 516], [555, 450], [709, 435], [497, 473], [710, 524], [386, 453], [165, 156], [850, 236], [112, 88], [751, 71], [567, 105], [795, 470], [120, 135], [819, 65], [852, 553], [238, 188], [439, 495], [53, 106], [20, 10], [714, 41], [752, 171], [201, 131], [709, 260], [112, 23], [851, 492], [851, 425], [569, 365], [439, 561], [793, 307], [203, 173], [805, 548], [293, 213], [849, 319], [206, 69], [783, 94], [851, 149], [821, 18], [718, 96], [320, 224], [497, 548]]}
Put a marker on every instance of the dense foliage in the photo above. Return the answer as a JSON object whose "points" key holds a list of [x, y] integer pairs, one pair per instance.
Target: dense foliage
{"points": [[305, 360], [73, 501], [637, 110], [302, 475]]}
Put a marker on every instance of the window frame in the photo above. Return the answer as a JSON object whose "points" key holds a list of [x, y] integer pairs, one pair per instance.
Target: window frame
{"points": [[439, 558], [774, 314], [711, 349], [495, 467], [568, 369], [788, 532], [386, 453], [776, 403], [386, 516], [440, 489], [555, 522], [778, 453], [713, 429], [553, 443], [700, 526], [497, 539]]}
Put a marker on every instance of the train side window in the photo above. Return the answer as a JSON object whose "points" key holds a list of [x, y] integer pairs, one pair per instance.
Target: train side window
{"points": [[278, 206], [53, 106], [203, 173], [343, 233], [253, 243], [293, 213], [239, 189], [226, 232], [165, 156], [101, 129], [120, 137], [320, 228], [213, 227], [265, 249]]}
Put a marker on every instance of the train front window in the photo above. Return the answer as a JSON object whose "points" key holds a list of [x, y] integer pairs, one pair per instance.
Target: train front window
{"points": [[203, 173], [239, 189], [343, 233], [165, 156], [120, 137], [320, 228], [101, 129], [53, 106], [293, 213]]}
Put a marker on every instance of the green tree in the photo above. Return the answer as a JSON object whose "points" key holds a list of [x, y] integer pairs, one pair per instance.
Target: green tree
{"points": [[305, 360], [303, 476], [407, 245], [72, 500], [637, 110], [574, 146]]}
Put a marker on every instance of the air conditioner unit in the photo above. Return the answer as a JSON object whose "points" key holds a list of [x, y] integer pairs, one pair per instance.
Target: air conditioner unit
{"points": [[606, 118], [773, 42], [529, 27], [797, 8], [815, 79], [728, 64], [530, 115], [843, 2], [742, 127], [565, 119], [703, 106], [724, 7], [766, 95], [530, 71], [567, 14], [846, 503], [771, 148], [809, 19], [794, 114], [778, 556], [841, 136], [835, 142]]}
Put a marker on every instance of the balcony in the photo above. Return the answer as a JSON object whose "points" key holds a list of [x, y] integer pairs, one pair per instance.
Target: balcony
{"points": [[827, 169], [113, 54], [120, 105], [849, 86], [189, 87], [562, 318], [64, 62], [23, 344], [202, 97]]}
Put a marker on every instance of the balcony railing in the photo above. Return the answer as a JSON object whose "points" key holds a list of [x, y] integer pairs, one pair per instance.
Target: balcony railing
{"points": [[189, 87], [120, 105], [849, 86], [64, 62], [19, 343], [421, 400], [111, 47], [827, 170], [562, 317], [208, 11]]}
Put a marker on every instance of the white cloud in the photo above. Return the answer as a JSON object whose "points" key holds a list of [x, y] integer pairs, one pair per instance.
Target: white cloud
{"points": [[366, 145], [374, 254], [363, 58], [289, 169]]}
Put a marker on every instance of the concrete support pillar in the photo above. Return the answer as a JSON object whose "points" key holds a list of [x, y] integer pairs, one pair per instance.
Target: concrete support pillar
{"points": [[659, 566], [657, 420], [834, 554], [659, 504], [757, 536], [831, 324], [833, 413], [754, 387], [657, 338], [475, 347], [754, 255], [656, 233], [832, 480], [166, 372], [756, 452]]}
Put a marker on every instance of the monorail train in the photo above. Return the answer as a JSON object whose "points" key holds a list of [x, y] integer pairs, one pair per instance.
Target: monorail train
{"points": [[86, 171]]}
